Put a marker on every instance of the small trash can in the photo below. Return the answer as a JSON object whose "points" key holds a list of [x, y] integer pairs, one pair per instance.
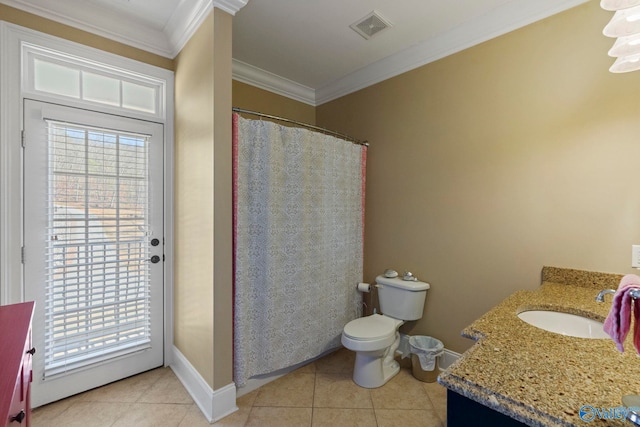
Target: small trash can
{"points": [[425, 353]]}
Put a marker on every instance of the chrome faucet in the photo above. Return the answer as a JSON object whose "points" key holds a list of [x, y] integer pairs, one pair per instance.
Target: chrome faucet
{"points": [[600, 297]]}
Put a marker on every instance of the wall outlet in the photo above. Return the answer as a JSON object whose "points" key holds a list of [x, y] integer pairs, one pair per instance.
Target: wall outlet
{"points": [[635, 256]]}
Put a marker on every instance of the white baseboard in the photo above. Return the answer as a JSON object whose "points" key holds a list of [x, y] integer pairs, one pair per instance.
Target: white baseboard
{"points": [[214, 404], [217, 404]]}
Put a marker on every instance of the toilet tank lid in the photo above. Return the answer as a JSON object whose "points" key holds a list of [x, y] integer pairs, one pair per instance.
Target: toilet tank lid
{"points": [[397, 282]]}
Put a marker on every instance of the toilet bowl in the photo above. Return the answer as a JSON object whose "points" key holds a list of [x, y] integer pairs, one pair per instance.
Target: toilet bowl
{"points": [[375, 340]]}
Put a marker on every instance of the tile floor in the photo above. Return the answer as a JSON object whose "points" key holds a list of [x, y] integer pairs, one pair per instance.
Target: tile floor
{"points": [[318, 394]]}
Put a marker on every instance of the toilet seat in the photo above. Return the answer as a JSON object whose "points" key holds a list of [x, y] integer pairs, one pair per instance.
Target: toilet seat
{"points": [[371, 333], [370, 328]]}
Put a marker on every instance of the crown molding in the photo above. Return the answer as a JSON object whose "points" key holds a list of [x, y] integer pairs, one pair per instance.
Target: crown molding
{"points": [[190, 14], [262, 79], [113, 26], [230, 6], [506, 18], [185, 21], [167, 42]]}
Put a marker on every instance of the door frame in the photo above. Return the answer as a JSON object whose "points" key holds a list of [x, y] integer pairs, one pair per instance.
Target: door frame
{"points": [[12, 94]]}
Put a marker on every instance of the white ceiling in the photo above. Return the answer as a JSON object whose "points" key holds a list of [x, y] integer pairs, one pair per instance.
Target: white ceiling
{"points": [[304, 49]]}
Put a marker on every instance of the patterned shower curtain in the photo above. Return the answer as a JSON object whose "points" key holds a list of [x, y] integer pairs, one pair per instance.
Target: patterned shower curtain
{"points": [[298, 237]]}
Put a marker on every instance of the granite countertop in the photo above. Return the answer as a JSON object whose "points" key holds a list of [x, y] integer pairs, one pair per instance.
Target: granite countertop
{"points": [[538, 377]]}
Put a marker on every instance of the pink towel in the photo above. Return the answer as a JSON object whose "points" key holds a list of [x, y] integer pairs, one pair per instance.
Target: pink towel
{"points": [[618, 322]]}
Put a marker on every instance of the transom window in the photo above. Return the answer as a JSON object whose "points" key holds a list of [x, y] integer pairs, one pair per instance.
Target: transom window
{"points": [[62, 75]]}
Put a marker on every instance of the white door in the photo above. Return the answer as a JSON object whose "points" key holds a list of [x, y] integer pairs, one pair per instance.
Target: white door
{"points": [[93, 261]]}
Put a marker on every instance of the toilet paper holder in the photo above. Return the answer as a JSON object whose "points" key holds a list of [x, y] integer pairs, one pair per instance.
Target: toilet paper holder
{"points": [[363, 287]]}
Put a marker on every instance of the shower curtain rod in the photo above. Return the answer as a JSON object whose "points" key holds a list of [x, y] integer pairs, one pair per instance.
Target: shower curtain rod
{"points": [[323, 130]]}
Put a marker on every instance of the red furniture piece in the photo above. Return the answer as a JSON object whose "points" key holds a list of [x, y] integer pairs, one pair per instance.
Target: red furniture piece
{"points": [[15, 364]]}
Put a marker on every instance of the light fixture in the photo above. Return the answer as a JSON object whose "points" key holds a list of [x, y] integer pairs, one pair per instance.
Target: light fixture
{"points": [[614, 5], [624, 64], [625, 26], [625, 22], [624, 46]]}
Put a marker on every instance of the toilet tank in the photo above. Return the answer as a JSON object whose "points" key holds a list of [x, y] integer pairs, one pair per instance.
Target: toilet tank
{"points": [[401, 299]]}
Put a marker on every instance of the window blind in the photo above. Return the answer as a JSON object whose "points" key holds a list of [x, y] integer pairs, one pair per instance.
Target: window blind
{"points": [[97, 273]]}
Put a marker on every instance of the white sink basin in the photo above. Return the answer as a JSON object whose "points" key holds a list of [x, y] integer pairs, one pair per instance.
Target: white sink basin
{"points": [[564, 323]]}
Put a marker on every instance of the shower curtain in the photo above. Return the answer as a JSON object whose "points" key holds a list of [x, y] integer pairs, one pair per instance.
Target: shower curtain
{"points": [[298, 237]]}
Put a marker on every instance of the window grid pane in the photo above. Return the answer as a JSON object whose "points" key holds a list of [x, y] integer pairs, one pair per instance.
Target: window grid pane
{"points": [[98, 287], [139, 97], [97, 88], [56, 79]]}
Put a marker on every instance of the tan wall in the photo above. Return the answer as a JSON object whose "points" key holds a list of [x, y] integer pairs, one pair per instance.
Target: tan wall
{"points": [[489, 164], [252, 98], [194, 203], [203, 285], [28, 20], [223, 208]]}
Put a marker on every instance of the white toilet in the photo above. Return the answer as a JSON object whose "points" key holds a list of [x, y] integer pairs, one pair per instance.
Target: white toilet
{"points": [[375, 338]]}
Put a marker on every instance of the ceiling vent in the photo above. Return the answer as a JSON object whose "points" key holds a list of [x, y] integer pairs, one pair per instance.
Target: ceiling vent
{"points": [[370, 25]]}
